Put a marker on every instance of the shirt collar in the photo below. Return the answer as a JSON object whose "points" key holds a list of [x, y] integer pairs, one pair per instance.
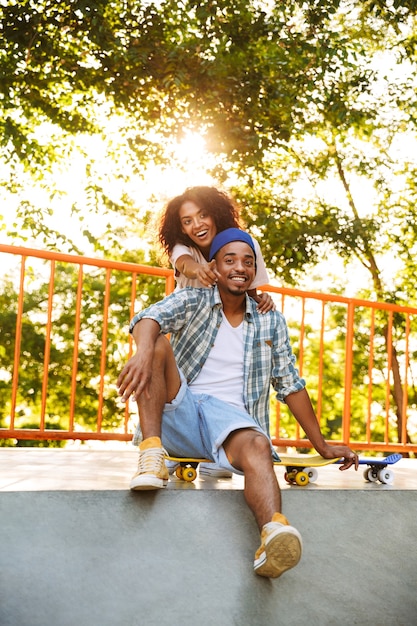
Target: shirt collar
{"points": [[216, 301]]}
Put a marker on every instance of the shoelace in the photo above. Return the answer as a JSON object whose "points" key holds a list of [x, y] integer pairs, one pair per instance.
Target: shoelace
{"points": [[151, 460]]}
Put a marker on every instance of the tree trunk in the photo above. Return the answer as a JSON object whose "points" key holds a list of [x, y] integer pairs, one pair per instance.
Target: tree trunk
{"points": [[367, 259]]}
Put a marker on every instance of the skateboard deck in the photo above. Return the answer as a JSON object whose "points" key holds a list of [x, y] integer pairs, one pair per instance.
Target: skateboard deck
{"points": [[378, 469], [300, 468]]}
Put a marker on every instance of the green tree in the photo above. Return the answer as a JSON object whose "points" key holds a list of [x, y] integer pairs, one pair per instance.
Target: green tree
{"points": [[290, 97], [249, 77]]}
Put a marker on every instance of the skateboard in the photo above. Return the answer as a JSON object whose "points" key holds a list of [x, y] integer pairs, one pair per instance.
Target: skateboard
{"points": [[187, 468], [300, 469], [378, 468]]}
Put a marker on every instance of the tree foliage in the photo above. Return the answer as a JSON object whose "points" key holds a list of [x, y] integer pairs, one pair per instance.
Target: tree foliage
{"points": [[308, 107], [286, 94]]}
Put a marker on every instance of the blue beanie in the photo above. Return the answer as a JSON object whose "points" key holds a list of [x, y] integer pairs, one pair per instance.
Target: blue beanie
{"points": [[227, 236]]}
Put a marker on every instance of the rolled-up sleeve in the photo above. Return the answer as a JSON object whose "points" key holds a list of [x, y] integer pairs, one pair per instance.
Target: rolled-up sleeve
{"points": [[170, 313], [285, 377]]}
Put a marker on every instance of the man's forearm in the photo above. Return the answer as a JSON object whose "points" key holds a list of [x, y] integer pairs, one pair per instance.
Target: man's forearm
{"points": [[300, 406], [136, 374], [145, 333]]}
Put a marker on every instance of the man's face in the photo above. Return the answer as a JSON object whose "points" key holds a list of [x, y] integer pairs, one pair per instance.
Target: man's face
{"points": [[235, 263]]}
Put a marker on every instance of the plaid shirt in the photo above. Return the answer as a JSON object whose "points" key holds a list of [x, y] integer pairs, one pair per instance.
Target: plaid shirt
{"points": [[193, 317]]}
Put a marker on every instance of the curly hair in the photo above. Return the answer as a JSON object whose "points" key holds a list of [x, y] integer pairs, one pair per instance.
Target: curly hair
{"points": [[218, 205]]}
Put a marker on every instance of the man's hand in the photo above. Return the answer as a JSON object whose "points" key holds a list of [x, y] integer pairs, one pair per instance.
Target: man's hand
{"points": [[135, 377], [349, 457]]}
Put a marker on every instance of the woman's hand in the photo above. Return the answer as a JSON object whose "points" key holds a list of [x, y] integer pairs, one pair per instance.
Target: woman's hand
{"points": [[205, 274], [264, 300]]}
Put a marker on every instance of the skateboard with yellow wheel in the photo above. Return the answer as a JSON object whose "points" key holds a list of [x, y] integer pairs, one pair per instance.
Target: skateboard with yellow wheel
{"points": [[300, 468], [187, 467]]}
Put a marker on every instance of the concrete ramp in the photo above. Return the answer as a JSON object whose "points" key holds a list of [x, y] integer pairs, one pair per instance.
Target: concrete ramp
{"points": [[183, 557]]}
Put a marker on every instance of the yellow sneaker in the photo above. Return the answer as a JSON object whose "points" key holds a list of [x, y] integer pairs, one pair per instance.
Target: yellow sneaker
{"points": [[280, 550], [152, 472]]}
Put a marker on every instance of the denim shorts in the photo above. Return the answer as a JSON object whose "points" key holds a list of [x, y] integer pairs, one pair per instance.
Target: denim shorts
{"points": [[196, 425]]}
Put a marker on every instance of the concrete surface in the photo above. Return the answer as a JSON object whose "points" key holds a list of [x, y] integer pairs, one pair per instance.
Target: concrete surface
{"points": [[79, 549]]}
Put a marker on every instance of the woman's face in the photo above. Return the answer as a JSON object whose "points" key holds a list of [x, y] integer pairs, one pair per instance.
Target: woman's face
{"points": [[197, 224]]}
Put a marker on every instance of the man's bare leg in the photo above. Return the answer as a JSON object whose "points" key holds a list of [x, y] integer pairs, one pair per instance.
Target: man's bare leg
{"points": [[250, 452], [281, 544], [163, 387]]}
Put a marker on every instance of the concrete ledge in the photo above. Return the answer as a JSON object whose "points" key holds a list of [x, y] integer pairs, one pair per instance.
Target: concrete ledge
{"points": [[181, 558]]}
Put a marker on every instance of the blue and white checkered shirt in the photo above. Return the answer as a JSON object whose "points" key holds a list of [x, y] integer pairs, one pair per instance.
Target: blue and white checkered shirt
{"points": [[192, 316]]}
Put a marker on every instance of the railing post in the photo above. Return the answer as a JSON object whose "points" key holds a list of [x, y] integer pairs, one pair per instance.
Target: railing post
{"points": [[15, 378], [348, 372]]}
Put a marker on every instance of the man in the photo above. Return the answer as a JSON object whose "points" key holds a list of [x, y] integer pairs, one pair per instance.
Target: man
{"points": [[207, 396]]}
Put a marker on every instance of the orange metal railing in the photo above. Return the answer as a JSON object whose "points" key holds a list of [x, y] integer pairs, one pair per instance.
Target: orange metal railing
{"points": [[72, 429], [70, 314], [377, 412]]}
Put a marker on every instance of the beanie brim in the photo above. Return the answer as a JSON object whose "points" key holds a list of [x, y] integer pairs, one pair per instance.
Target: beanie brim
{"points": [[227, 236]]}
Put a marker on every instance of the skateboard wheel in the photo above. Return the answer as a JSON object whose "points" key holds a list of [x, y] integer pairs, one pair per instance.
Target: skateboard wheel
{"points": [[178, 472], [312, 474], [365, 474], [301, 478], [189, 474], [386, 476], [289, 477], [372, 475]]}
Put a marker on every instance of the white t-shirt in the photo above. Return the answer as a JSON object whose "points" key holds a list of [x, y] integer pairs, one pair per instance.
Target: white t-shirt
{"points": [[261, 277], [222, 373]]}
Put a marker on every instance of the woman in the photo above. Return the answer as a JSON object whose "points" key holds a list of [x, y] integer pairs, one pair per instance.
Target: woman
{"points": [[187, 228]]}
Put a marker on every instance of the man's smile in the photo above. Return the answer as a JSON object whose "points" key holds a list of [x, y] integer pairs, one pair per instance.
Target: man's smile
{"points": [[238, 278]]}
